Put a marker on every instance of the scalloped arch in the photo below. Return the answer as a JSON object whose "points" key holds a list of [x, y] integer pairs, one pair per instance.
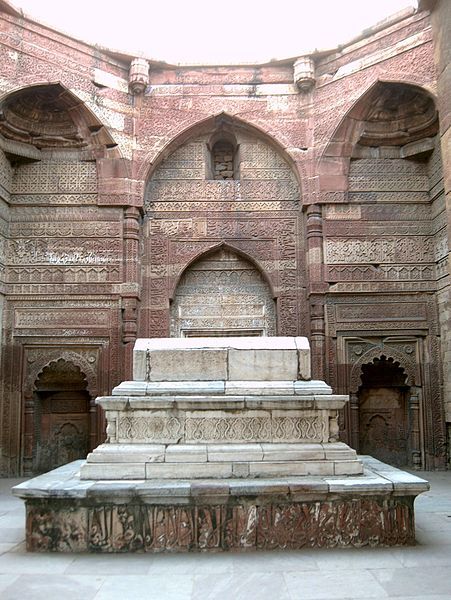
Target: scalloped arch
{"points": [[69, 356], [377, 353]]}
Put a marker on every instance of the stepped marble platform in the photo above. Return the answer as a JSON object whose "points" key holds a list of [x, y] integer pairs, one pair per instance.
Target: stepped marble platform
{"points": [[220, 443]]}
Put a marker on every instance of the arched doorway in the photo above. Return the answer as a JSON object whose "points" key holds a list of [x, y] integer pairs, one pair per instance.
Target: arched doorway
{"points": [[222, 294], [61, 416], [385, 423]]}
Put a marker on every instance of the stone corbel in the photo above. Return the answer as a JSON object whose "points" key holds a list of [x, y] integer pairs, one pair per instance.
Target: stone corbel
{"points": [[304, 73], [138, 77]]}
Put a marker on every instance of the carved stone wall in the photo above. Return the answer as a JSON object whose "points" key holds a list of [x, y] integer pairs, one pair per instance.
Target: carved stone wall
{"points": [[387, 240], [5, 188], [62, 256], [222, 294], [108, 202], [441, 231], [258, 214], [441, 15]]}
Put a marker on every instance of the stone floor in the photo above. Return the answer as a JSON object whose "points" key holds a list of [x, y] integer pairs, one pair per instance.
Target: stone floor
{"points": [[411, 573]]}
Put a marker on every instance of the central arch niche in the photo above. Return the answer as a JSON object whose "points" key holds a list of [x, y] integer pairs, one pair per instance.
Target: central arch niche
{"points": [[222, 294], [256, 213]]}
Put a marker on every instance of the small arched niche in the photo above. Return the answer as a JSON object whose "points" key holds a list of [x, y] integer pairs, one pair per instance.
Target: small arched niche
{"points": [[41, 120], [222, 294], [223, 163], [61, 416]]}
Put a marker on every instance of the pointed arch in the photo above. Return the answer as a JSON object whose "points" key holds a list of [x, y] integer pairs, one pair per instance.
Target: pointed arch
{"points": [[376, 119], [347, 131], [49, 115], [209, 125], [213, 248], [221, 292]]}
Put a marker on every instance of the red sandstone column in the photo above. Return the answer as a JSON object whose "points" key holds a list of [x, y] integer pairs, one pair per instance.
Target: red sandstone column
{"points": [[355, 421], [317, 289], [130, 291], [415, 434]]}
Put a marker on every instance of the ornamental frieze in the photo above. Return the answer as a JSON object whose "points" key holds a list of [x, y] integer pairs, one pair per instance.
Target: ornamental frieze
{"points": [[229, 428]]}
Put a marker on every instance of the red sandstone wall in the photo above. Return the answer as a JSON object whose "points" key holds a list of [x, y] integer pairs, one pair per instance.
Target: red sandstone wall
{"points": [[75, 271]]}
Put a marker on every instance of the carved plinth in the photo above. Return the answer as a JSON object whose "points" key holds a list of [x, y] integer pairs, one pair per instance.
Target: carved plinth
{"points": [[65, 514]]}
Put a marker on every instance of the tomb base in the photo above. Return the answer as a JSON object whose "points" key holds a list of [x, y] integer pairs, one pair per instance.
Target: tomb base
{"points": [[69, 514]]}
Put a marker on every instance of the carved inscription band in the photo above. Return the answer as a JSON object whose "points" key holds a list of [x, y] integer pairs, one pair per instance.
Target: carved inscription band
{"points": [[153, 528]]}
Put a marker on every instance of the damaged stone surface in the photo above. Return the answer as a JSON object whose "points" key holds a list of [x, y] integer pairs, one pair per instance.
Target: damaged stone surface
{"points": [[67, 514]]}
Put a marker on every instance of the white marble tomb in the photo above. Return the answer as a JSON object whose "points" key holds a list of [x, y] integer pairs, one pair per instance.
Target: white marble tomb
{"points": [[221, 408]]}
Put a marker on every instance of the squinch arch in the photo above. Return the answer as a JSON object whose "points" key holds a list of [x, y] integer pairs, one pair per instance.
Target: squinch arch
{"points": [[389, 114], [48, 115], [380, 102]]}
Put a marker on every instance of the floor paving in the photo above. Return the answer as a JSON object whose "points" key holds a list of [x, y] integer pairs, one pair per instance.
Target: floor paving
{"points": [[412, 573]]}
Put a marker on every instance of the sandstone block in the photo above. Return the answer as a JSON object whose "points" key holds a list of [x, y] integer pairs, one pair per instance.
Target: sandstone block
{"points": [[188, 453], [234, 452]]}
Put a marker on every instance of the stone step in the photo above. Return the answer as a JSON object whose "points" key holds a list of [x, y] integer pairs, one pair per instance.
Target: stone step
{"points": [[218, 469], [191, 461]]}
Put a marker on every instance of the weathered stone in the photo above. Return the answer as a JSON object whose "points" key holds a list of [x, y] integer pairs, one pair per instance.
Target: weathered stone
{"points": [[154, 516]]}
